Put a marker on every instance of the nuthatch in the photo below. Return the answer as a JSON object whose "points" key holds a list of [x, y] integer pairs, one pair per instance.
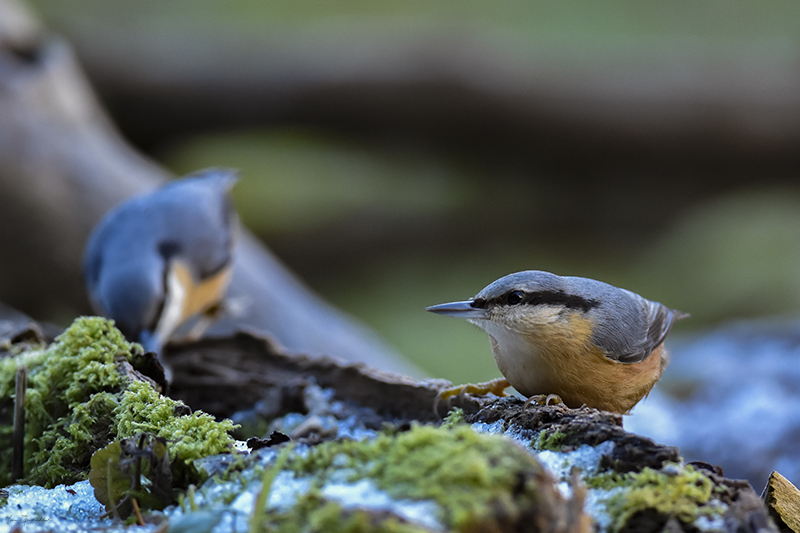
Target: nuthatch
{"points": [[583, 340], [159, 259]]}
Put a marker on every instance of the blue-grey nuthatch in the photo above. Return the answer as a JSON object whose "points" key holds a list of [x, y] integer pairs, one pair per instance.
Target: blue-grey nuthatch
{"points": [[586, 341], [161, 258]]}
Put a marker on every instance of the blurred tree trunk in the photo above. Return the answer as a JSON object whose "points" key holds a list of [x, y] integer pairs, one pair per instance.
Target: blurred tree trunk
{"points": [[63, 166], [611, 107]]}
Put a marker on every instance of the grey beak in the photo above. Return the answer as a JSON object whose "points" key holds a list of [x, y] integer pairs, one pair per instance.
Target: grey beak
{"points": [[458, 309]]}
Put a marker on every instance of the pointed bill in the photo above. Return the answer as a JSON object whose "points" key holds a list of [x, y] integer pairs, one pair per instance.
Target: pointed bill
{"points": [[458, 309]]}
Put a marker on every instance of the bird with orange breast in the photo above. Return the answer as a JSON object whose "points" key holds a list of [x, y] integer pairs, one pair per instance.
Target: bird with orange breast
{"points": [[582, 340]]}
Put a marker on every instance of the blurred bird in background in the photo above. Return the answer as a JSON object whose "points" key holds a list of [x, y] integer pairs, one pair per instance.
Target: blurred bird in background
{"points": [[162, 260]]}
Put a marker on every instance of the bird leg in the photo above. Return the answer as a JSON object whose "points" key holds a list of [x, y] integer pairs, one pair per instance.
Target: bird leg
{"points": [[495, 386], [543, 399]]}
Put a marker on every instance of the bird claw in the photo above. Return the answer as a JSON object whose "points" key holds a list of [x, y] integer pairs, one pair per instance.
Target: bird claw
{"points": [[543, 399], [495, 386]]}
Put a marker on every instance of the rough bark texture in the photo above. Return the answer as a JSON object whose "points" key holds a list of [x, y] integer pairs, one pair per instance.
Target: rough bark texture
{"points": [[222, 375]]}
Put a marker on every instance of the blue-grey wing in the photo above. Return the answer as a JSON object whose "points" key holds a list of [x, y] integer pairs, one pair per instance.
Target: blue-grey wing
{"points": [[634, 327]]}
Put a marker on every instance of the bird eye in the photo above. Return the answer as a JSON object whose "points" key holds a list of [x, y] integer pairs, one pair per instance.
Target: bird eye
{"points": [[515, 297]]}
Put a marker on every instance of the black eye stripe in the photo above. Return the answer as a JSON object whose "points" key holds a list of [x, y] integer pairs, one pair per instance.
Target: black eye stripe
{"points": [[547, 297], [478, 303], [168, 249], [515, 297]]}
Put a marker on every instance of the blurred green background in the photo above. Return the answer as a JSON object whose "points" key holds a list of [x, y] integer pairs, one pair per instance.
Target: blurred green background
{"points": [[402, 154]]}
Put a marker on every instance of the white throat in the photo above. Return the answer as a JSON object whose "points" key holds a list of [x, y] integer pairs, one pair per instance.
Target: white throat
{"points": [[509, 347], [172, 313], [518, 360]]}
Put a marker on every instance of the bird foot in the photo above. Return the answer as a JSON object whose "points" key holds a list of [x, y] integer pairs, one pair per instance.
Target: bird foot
{"points": [[544, 399], [495, 386]]}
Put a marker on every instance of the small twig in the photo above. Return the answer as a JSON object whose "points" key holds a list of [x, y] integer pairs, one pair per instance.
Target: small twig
{"points": [[137, 465], [18, 460], [136, 510]]}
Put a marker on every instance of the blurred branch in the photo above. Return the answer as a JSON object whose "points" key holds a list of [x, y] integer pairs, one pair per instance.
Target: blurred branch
{"points": [[452, 86], [63, 165]]}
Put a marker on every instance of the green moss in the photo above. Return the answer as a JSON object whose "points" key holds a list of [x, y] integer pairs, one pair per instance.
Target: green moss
{"points": [[314, 513], [453, 418], [552, 442], [606, 481], [469, 475], [78, 401], [681, 491], [189, 437]]}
